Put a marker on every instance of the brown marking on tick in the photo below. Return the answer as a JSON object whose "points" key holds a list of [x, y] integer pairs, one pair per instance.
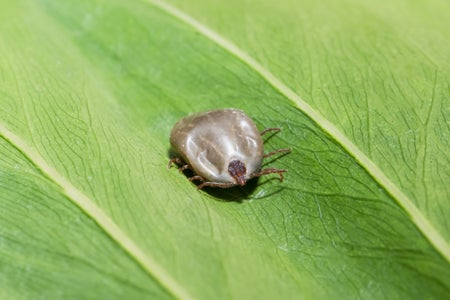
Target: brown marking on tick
{"points": [[237, 170]]}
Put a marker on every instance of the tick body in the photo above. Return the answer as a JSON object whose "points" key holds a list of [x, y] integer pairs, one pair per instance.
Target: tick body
{"points": [[222, 147]]}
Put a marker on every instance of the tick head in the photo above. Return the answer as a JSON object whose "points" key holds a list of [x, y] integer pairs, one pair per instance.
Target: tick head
{"points": [[237, 170]]}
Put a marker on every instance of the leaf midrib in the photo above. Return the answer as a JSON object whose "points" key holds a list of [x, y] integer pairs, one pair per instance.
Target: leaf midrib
{"points": [[420, 221]]}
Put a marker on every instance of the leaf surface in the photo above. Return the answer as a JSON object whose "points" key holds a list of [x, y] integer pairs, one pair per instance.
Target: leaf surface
{"points": [[89, 91]]}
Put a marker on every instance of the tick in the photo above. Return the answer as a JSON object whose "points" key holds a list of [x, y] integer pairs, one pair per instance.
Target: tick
{"points": [[222, 147]]}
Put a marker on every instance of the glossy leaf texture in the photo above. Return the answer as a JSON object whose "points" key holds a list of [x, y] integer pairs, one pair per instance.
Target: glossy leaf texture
{"points": [[89, 91]]}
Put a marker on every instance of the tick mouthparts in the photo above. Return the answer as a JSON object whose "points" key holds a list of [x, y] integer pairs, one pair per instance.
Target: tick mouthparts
{"points": [[241, 180], [237, 170]]}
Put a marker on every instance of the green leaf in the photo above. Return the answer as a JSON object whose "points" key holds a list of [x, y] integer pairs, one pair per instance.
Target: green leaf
{"points": [[89, 91]]}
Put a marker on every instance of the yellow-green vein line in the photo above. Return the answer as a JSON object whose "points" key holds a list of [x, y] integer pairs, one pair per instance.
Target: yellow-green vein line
{"points": [[96, 213]]}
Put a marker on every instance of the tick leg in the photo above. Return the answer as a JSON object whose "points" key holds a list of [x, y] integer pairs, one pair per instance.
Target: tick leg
{"points": [[276, 129], [215, 184], [196, 177], [284, 150], [176, 160], [184, 167], [271, 171]]}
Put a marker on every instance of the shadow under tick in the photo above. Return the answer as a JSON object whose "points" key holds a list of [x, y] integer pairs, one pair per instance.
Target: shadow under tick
{"points": [[233, 194], [240, 194], [237, 194]]}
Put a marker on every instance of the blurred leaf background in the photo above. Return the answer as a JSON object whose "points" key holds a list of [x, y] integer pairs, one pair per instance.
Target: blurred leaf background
{"points": [[89, 91]]}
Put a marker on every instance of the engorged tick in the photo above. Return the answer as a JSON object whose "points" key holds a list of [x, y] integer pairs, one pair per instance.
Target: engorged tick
{"points": [[222, 147]]}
